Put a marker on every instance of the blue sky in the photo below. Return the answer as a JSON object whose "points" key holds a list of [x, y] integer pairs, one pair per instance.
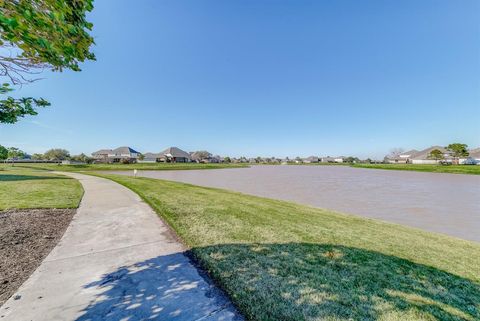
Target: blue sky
{"points": [[265, 77]]}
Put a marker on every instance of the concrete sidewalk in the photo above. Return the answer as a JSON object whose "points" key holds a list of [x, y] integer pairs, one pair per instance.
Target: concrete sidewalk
{"points": [[116, 261]]}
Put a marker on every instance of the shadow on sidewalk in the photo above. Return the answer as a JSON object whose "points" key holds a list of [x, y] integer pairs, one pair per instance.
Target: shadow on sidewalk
{"points": [[163, 288]]}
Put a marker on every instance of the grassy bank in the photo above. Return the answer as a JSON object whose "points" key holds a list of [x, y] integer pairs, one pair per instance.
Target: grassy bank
{"points": [[283, 261], [24, 188], [119, 167], [452, 169]]}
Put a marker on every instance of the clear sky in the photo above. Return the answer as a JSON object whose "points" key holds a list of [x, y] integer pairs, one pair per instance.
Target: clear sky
{"points": [[269, 78]]}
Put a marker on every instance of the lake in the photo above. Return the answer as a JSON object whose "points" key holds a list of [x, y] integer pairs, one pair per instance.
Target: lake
{"points": [[444, 203]]}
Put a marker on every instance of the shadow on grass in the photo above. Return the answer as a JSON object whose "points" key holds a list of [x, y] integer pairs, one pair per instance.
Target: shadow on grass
{"points": [[13, 177], [301, 281], [294, 281]]}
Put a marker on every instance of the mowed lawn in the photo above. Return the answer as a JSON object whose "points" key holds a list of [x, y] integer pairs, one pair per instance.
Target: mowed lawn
{"points": [[283, 261], [452, 169], [22, 188]]}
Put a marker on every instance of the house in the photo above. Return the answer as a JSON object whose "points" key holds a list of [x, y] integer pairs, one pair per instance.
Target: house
{"points": [[472, 159], [423, 156], [311, 159], [204, 157], [153, 158], [403, 158], [176, 155], [169, 155], [117, 155], [328, 159]]}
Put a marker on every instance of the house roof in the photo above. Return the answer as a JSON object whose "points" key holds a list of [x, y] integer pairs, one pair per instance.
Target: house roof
{"points": [[102, 152], [410, 152], [124, 150], [175, 152], [153, 155], [475, 153], [423, 154]]}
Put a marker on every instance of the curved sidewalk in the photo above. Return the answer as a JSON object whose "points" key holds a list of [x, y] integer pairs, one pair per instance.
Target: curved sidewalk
{"points": [[116, 261]]}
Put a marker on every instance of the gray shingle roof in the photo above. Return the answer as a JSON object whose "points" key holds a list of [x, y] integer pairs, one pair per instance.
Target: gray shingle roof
{"points": [[474, 153], [175, 152], [124, 150], [102, 152], [410, 152], [423, 154], [153, 155]]}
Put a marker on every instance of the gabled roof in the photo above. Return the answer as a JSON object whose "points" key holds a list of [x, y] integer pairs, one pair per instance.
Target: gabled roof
{"points": [[124, 150], [410, 152], [423, 154], [153, 155], [474, 153], [175, 152], [102, 152]]}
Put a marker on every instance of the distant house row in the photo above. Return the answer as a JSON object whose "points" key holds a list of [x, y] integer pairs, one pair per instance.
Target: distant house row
{"points": [[327, 159], [129, 155], [424, 156], [170, 155], [176, 155]]}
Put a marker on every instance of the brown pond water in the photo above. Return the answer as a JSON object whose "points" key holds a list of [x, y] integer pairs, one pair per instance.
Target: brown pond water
{"points": [[444, 203]]}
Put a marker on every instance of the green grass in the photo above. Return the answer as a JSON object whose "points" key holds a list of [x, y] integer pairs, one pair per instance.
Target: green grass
{"points": [[453, 169], [283, 261], [22, 188], [119, 167]]}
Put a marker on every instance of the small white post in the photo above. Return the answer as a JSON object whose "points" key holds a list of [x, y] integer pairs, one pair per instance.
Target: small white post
{"points": [[135, 172]]}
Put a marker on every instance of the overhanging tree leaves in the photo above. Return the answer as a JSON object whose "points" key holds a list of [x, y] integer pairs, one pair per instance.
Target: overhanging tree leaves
{"points": [[11, 109], [39, 34]]}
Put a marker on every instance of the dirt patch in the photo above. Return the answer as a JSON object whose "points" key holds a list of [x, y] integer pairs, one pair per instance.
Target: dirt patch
{"points": [[26, 238]]}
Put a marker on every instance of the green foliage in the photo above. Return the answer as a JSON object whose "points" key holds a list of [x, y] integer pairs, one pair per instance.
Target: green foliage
{"points": [[3, 152], [15, 153], [43, 34], [436, 154], [12, 109], [56, 154], [227, 160], [38, 156], [48, 31], [352, 159], [82, 158], [458, 150]]}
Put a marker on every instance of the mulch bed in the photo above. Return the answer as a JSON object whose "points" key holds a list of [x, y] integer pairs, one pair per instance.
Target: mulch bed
{"points": [[26, 238]]}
